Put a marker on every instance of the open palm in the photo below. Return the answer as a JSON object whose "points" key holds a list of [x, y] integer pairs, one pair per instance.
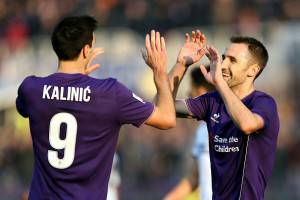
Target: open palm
{"points": [[192, 50], [215, 72], [91, 57]]}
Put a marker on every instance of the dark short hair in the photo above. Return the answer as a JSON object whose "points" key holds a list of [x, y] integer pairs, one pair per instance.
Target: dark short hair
{"points": [[71, 34], [198, 79], [256, 49]]}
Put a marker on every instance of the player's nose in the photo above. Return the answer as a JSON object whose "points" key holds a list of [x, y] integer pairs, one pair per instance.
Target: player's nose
{"points": [[225, 63]]}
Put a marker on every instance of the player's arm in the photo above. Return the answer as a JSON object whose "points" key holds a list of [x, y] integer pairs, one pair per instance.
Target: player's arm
{"points": [[191, 52], [244, 118], [186, 185], [163, 116], [182, 110]]}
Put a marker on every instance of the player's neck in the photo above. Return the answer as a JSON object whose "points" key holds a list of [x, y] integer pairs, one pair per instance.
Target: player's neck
{"points": [[71, 67], [241, 91]]}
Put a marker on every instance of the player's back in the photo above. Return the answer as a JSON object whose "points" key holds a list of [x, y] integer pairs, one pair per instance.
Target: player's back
{"points": [[74, 122]]}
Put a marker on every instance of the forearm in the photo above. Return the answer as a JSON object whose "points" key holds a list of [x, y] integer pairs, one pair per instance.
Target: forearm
{"points": [[164, 100], [175, 77], [239, 113]]}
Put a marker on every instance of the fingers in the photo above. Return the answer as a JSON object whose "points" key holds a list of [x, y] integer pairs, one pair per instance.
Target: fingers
{"points": [[157, 41], [147, 43], [194, 36], [213, 53], [156, 54], [207, 53], [201, 53], [153, 46], [218, 57], [202, 39], [198, 37], [154, 42], [163, 44], [91, 69], [203, 70], [210, 53], [144, 55], [187, 37], [94, 53]]}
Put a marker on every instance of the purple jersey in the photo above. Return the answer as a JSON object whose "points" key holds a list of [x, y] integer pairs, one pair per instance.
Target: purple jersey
{"points": [[241, 164], [75, 122]]}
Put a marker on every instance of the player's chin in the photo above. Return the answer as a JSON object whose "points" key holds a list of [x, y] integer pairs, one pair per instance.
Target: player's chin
{"points": [[229, 82]]}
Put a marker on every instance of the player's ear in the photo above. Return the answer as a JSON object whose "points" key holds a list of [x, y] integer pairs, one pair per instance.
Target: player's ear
{"points": [[201, 90], [253, 70], [85, 50]]}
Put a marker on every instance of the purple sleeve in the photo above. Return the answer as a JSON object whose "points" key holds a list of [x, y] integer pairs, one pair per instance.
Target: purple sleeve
{"points": [[265, 106], [20, 101], [198, 106], [131, 108]]}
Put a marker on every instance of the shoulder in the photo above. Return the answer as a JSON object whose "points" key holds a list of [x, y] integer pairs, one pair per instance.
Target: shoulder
{"points": [[111, 86], [211, 98], [27, 83], [263, 98], [106, 81], [103, 85], [209, 95], [264, 105], [29, 79]]}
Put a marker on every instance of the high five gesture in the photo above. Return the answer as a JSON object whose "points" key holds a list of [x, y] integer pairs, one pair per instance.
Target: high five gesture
{"points": [[192, 50], [215, 73]]}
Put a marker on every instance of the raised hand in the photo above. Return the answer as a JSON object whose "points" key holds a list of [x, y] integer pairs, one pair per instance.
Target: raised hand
{"points": [[192, 50], [92, 55], [156, 55], [215, 73]]}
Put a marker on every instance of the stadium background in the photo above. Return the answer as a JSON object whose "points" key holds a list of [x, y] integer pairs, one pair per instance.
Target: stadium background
{"points": [[152, 161]]}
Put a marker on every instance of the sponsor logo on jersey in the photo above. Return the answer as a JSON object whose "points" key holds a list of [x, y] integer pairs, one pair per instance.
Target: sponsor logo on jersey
{"points": [[215, 118]]}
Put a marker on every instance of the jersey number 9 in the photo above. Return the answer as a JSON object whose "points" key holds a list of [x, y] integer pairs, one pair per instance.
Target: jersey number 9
{"points": [[68, 144]]}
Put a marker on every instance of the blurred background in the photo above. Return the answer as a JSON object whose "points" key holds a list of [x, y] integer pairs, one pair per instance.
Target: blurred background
{"points": [[150, 161]]}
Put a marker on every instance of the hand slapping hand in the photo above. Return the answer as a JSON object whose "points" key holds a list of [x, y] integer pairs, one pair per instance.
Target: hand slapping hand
{"points": [[156, 53], [193, 49], [215, 73]]}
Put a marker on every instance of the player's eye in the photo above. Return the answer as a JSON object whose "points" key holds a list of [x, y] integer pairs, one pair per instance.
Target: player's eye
{"points": [[233, 60]]}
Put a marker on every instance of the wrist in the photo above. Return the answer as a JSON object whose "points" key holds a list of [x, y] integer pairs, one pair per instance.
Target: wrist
{"points": [[220, 83], [181, 64], [160, 78], [159, 73]]}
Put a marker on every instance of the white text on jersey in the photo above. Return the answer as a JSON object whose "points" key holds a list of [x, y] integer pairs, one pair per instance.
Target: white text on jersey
{"points": [[72, 93]]}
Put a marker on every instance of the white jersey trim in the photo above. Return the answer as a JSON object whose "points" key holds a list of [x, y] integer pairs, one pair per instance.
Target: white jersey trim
{"points": [[244, 167]]}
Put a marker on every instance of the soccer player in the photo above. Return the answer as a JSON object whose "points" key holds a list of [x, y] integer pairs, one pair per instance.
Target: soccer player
{"points": [[75, 119], [242, 122], [200, 173]]}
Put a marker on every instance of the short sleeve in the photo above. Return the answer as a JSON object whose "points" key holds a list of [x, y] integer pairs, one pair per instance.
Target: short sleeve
{"points": [[198, 106], [131, 108], [20, 101], [266, 107]]}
